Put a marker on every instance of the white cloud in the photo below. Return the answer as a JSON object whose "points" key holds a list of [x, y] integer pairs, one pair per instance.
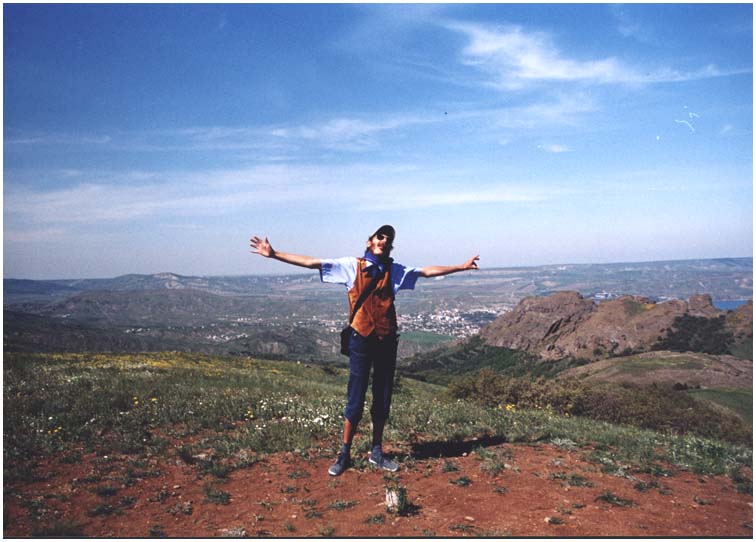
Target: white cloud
{"points": [[346, 133], [555, 148], [213, 193], [726, 129], [419, 197], [58, 139], [515, 58]]}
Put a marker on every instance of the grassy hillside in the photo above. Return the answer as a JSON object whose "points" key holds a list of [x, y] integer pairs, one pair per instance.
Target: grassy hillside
{"points": [[232, 410], [739, 401], [693, 370], [445, 363]]}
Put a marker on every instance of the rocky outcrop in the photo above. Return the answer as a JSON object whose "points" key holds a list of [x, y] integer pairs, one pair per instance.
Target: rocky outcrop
{"points": [[538, 323], [566, 324], [740, 321]]}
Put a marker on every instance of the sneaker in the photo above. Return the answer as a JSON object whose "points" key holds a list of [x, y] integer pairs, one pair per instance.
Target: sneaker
{"points": [[342, 464], [379, 460]]}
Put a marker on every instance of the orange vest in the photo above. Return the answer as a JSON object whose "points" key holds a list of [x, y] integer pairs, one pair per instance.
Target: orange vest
{"points": [[377, 313]]}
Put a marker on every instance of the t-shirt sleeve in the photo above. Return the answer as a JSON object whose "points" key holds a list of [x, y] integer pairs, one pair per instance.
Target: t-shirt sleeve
{"points": [[404, 278], [339, 271]]}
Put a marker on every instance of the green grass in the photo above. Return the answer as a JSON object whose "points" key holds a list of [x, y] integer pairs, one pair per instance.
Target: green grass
{"points": [[426, 338], [738, 400], [240, 409], [636, 365], [743, 350], [441, 365]]}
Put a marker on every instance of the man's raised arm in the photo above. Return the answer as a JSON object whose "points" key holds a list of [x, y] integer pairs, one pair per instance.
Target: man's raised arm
{"points": [[263, 248], [439, 270]]}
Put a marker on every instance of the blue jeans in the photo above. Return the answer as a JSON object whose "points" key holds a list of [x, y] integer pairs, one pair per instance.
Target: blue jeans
{"points": [[364, 353]]}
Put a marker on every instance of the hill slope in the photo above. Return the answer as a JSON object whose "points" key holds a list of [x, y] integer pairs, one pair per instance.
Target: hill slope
{"points": [[689, 369], [191, 446], [565, 324]]}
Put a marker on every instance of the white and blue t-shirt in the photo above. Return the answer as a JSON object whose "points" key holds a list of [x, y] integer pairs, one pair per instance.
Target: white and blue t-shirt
{"points": [[344, 271]]}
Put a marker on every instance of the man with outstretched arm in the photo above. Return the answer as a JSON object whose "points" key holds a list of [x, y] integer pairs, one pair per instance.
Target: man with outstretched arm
{"points": [[373, 279]]}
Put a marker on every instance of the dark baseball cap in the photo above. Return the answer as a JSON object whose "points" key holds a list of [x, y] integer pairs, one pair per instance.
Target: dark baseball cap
{"points": [[386, 230]]}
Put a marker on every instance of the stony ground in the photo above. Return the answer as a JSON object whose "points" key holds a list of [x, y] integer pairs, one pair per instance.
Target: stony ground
{"points": [[525, 490]]}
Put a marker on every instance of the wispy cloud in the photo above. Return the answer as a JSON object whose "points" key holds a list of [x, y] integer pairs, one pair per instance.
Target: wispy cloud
{"points": [[57, 139], [515, 58], [554, 148], [347, 133], [686, 123], [351, 134], [221, 192], [418, 198]]}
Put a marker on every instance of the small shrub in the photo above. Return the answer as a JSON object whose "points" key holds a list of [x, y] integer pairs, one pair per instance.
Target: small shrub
{"points": [[185, 508], [102, 509], [216, 496], [449, 466], [105, 491], [742, 483], [614, 500], [575, 480], [343, 505], [461, 481]]}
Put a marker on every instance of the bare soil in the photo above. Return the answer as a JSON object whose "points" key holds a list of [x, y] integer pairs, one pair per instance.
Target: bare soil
{"points": [[542, 491]]}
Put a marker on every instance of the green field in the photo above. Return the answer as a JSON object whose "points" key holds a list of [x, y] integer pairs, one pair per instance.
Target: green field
{"points": [[426, 338], [176, 404], [642, 365], [738, 400], [743, 350]]}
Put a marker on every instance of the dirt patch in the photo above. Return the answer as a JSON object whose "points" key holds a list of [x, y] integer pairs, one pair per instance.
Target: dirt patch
{"points": [[504, 490]]}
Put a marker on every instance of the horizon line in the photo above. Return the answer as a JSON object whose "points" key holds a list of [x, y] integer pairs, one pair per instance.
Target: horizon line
{"points": [[303, 273]]}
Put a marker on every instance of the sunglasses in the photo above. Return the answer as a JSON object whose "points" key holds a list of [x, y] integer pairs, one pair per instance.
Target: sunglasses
{"points": [[382, 236]]}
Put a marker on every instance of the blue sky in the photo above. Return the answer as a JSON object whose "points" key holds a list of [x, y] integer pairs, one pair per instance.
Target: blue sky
{"points": [[149, 138]]}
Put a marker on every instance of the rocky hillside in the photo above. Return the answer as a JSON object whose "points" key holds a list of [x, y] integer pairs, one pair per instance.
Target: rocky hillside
{"points": [[565, 324]]}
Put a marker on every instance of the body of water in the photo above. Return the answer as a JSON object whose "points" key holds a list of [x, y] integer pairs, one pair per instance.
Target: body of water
{"points": [[729, 305]]}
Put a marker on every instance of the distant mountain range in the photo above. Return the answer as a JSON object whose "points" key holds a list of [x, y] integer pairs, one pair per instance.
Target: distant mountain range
{"points": [[296, 316], [723, 278], [18, 290]]}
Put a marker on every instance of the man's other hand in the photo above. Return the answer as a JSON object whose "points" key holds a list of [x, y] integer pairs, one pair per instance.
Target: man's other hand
{"points": [[261, 247]]}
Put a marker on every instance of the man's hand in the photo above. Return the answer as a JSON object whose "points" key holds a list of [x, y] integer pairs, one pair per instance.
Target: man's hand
{"points": [[261, 247], [470, 264]]}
